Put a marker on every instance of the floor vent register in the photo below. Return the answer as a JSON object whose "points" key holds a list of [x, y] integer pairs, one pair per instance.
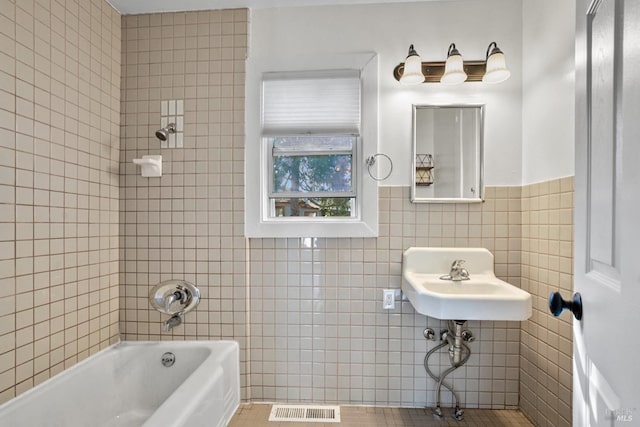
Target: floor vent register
{"points": [[305, 413]]}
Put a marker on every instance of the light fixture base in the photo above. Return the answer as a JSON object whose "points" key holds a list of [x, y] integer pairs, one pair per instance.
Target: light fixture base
{"points": [[433, 71]]}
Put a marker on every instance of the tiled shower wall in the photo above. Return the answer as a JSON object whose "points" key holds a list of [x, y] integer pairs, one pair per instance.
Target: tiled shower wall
{"points": [[547, 266], [188, 224], [59, 201]]}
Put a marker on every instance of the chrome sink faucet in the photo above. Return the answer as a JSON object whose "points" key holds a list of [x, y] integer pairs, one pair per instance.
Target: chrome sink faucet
{"points": [[457, 273]]}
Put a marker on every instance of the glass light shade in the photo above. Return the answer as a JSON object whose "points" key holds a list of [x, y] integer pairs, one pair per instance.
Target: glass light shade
{"points": [[497, 70], [412, 74], [453, 71]]}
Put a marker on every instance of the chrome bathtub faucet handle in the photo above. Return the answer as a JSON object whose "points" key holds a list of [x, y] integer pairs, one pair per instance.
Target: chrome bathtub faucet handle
{"points": [[178, 295], [170, 300], [164, 296], [175, 296]]}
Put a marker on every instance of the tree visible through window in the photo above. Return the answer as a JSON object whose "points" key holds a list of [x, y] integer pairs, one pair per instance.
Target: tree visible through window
{"points": [[313, 176]]}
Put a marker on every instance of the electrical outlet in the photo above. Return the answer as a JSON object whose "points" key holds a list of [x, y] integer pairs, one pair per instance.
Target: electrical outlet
{"points": [[388, 299]]}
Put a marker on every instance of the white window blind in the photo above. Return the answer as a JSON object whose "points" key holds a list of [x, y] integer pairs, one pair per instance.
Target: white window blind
{"points": [[305, 103]]}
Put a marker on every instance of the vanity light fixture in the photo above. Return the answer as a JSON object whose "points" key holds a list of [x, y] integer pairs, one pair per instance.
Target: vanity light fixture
{"points": [[454, 70], [412, 73], [497, 70]]}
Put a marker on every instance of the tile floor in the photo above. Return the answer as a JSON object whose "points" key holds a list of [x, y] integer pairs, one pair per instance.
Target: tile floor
{"points": [[257, 415]]}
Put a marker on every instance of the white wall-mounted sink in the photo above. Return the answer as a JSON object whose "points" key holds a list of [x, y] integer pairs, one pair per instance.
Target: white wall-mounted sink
{"points": [[482, 297]]}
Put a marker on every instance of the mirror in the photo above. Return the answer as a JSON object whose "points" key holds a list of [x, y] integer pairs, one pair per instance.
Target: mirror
{"points": [[447, 154]]}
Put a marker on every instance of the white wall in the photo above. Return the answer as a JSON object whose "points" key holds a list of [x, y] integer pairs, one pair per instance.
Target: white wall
{"points": [[430, 26], [548, 112]]}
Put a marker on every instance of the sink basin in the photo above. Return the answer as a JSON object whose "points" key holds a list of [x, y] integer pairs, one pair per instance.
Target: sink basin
{"points": [[482, 297]]}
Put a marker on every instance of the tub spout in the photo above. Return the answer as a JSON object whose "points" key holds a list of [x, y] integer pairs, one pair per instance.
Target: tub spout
{"points": [[171, 322]]}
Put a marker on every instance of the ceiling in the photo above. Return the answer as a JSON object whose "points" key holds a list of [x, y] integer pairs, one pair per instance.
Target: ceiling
{"points": [[129, 7]]}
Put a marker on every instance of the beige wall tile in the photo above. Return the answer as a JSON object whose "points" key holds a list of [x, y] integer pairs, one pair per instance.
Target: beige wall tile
{"points": [[189, 224], [32, 103], [545, 357]]}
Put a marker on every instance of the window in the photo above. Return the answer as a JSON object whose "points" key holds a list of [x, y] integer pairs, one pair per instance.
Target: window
{"points": [[310, 123], [311, 139], [312, 176]]}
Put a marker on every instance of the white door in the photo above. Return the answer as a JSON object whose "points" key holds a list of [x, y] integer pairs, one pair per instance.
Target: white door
{"points": [[606, 361]]}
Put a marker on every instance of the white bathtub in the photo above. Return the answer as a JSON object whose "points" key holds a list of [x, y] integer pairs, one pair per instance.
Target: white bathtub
{"points": [[127, 385]]}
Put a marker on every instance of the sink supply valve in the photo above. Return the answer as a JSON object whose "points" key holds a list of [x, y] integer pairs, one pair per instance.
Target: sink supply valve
{"points": [[429, 334], [467, 335], [175, 298]]}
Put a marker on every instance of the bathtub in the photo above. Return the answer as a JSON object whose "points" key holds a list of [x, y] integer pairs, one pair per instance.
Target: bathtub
{"points": [[127, 384]]}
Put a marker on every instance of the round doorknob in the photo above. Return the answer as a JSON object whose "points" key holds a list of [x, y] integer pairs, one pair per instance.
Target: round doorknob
{"points": [[557, 304]]}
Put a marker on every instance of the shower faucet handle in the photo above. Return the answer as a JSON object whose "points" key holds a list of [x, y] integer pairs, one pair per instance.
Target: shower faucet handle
{"points": [[179, 295], [163, 297]]}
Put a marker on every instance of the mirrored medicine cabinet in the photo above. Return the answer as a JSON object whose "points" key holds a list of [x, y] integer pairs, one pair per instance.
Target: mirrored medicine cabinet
{"points": [[448, 150]]}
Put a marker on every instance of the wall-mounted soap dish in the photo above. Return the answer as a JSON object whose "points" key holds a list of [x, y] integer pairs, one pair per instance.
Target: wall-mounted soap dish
{"points": [[151, 165]]}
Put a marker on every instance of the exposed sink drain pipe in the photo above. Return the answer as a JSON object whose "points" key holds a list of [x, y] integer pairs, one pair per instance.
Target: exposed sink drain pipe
{"points": [[459, 353]]}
